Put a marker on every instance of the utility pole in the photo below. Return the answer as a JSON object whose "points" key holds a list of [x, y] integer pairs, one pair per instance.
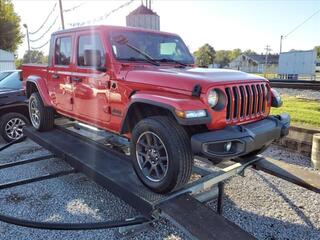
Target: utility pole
{"points": [[61, 14], [281, 38], [268, 50], [29, 51]]}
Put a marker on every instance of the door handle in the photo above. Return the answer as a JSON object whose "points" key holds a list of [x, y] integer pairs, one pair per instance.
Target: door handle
{"points": [[76, 79], [55, 76]]}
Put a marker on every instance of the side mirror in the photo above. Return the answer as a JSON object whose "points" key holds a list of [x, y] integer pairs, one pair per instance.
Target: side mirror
{"points": [[20, 76], [92, 58]]}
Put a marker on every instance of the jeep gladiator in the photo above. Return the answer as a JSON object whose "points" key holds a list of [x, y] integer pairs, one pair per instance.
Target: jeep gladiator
{"points": [[144, 85]]}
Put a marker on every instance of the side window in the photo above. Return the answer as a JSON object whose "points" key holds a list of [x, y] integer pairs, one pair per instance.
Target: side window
{"points": [[63, 51], [91, 51]]}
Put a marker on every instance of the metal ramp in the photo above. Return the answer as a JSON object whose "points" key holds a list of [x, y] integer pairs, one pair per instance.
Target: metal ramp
{"points": [[184, 207], [114, 171]]}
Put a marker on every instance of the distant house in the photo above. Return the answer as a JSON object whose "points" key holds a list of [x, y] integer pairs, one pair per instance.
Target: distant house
{"points": [[6, 61], [255, 63]]}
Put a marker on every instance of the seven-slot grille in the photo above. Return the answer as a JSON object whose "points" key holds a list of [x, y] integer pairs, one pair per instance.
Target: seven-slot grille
{"points": [[246, 101]]}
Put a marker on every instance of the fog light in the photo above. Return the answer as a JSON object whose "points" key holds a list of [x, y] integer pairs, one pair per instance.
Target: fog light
{"points": [[227, 146]]}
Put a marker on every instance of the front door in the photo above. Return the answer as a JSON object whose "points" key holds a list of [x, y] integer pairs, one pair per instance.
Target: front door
{"points": [[59, 82], [91, 87]]}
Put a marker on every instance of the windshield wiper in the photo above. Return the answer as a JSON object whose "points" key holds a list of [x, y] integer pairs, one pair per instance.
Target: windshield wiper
{"points": [[123, 40], [173, 61], [134, 59]]}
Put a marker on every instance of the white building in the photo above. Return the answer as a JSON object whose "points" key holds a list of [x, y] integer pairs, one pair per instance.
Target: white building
{"points": [[6, 61], [255, 63], [298, 62]]}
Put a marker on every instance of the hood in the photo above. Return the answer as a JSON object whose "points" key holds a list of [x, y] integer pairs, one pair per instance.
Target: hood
{"points": [[186, 79]]}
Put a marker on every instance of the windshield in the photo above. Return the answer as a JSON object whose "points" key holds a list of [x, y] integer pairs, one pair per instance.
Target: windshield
{"points": [[12, 81], [4, 74], [157, 46]]}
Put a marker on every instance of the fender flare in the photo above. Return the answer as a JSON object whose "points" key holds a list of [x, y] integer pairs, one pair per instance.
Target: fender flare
{"points": [[41, 86], [170, 107]]}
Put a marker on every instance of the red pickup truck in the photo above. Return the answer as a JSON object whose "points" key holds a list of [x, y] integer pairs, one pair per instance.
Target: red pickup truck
{"points": [[144, 85]]}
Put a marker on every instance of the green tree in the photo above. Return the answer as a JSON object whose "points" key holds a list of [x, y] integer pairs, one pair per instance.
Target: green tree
{"points": [[18, 63], [235, 53], [249, 52], [205, 55], [222, 58], [34, 56], [317, 48], [10, 31]]}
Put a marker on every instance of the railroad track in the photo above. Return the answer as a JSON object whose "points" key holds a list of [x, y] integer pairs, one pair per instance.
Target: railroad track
{"points": [[295, 84]]}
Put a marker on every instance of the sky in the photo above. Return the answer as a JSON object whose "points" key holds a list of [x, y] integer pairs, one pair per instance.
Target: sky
{"points": [[224, 24]]}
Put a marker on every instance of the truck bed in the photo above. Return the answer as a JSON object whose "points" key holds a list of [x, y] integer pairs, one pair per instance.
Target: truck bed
{"points": [[40, 70]]}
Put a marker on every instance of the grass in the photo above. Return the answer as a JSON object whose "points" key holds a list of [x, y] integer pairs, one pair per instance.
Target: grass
{"points": [[302, 111]]}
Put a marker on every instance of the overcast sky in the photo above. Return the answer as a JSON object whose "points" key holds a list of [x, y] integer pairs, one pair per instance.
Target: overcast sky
{"points": [[223, 24]]}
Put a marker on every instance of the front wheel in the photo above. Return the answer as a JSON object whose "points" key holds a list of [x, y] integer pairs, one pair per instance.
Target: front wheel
{"points": [[161, 154], [42, 117]]}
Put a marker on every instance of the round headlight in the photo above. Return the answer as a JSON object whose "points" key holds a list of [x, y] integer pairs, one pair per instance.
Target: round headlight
{"points": [[213, 98]]}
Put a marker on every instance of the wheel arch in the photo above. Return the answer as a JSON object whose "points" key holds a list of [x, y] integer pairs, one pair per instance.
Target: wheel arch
{"points": [[142, 108], [154, 104], [15, 108], [38, 84]]}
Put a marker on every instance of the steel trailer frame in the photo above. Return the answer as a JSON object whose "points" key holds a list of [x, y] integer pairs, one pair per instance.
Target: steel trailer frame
{"points": [[184, 207]]}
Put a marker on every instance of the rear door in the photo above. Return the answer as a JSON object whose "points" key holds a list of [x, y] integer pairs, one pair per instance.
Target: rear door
{"points": [[59, 72], [91, 87]]}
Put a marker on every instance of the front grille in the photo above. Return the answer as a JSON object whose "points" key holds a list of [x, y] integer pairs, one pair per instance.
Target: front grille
{"points": [[246, 101]]}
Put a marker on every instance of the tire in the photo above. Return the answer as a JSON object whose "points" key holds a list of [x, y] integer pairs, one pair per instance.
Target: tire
{"points": [[11, 125], [42, 118], [173, 143]]}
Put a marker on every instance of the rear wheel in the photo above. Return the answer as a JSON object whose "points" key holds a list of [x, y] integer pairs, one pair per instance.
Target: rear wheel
{"points": [[42, 117], [161, 153], [11, 126]]}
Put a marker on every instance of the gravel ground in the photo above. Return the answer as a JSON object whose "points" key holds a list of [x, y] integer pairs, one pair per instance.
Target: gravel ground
{"points": [[265, 206], [301, 93]]}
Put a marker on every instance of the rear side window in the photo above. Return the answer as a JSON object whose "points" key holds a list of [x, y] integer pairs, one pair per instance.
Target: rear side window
{"points": [[63, 50], [90, 51]]}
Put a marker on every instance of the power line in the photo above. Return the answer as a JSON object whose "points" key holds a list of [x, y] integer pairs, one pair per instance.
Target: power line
{"points": [[39, 38], [73, 8], [46, 43], [45, 21], [39, 47], [307, 19], [98, 19]]}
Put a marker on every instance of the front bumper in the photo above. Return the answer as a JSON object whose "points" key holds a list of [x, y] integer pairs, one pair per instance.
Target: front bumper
{"points": [[236, 141]]}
